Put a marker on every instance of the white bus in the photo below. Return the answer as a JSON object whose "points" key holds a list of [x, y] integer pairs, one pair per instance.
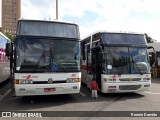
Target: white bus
{"points": [[46, 58], [117, 60], [4, 61]]}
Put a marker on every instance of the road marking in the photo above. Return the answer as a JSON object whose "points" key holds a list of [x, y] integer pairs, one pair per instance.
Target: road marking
{"points": [[82, 94], [152, 93], [11, 99], [3, 96]]}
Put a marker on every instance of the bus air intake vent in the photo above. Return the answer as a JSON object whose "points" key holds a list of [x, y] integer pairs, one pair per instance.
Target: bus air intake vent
{"points": [[130, 79], [129, 87]]}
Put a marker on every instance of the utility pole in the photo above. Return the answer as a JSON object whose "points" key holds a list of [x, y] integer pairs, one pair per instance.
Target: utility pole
{"points": [[56, 9]]}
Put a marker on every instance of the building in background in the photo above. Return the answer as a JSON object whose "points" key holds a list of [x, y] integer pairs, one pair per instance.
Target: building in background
{"points": [[155, 67], [11, 12]]}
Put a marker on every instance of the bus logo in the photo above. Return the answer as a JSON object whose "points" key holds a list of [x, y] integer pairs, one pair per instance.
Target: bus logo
{"points": [[29, 76], [50, 80], [73, 75]]}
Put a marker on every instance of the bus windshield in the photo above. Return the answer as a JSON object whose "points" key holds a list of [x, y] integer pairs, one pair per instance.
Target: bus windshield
{"points": [[47, 28], [125, 60], [41, 54]]}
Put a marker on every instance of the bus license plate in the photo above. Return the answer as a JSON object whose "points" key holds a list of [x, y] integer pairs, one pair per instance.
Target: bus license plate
{"points": [[49, 89], [111, 90]]}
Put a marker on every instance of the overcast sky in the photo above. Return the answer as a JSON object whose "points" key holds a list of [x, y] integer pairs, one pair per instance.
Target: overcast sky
{"points": [[93, 15]]}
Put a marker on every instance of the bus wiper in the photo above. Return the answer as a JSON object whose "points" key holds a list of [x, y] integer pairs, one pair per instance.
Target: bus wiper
{"points": [[39, 60], [134, 64]]}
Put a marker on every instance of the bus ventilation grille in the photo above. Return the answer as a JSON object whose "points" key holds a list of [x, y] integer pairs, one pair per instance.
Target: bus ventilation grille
{"points": [[129, 87]]}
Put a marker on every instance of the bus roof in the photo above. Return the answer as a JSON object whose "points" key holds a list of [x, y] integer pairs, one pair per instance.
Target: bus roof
{"points": [[47, 28], [114, 32], [58, 21]]}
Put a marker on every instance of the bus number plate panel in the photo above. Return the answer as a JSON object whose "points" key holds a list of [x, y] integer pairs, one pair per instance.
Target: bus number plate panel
{"points": [[49, 89]]}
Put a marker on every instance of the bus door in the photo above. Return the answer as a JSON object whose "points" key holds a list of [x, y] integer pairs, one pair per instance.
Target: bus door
{"points": [[89, 67], [96, 65]]}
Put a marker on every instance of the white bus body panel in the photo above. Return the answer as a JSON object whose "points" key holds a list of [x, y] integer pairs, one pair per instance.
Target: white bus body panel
{"points": [[128, 85], [38, 89], [4, 71], [140, 85]]}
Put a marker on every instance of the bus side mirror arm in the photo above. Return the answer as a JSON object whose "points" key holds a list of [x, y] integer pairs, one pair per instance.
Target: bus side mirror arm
{"points": [[154, 51], [8, 49]]}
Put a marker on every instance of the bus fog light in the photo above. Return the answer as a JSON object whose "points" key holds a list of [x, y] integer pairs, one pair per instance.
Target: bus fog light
{"points": [[105, 79], [148, 79], [29, 81], [112, 80], [146, 85], [112, 87], [69, 80], [73, 80], [144, 78], [16, 81], [22, 81], [74, 87]]}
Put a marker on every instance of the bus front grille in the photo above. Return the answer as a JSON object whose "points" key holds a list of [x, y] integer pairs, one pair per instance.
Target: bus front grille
{"points": [[130, 79], [129, 87], [46, 82]]}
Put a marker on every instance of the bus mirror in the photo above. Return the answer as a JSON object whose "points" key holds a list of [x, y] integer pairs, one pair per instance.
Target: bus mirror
{"points": [[8, 49], [154, 57], [150, 47]]}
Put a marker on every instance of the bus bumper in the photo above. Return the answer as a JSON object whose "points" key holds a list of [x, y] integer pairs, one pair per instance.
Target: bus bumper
{"points": [[51, 89], [125, 87]]}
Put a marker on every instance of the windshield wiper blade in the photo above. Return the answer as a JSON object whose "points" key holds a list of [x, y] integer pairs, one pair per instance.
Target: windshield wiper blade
{"points": [[39, 60], [135, 65]]}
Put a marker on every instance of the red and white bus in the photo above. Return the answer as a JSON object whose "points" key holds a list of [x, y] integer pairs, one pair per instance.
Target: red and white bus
{"points": [[46, 58], [4, 61], [117, 60]]}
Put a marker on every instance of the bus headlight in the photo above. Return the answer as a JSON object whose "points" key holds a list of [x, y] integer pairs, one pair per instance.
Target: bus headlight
{"points": [[105, 79], [73, 80], [23, 81], [146, 79], [29, 81]]}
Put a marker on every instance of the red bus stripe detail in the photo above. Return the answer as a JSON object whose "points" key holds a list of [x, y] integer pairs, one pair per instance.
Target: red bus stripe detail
{"points": [[84, 67]]}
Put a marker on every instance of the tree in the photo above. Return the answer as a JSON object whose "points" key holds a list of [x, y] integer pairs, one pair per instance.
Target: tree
{"points": [[11, 37], [148, 38]]}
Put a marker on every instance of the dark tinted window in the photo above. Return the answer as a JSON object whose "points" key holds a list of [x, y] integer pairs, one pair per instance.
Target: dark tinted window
{"points": [[115, 38]]}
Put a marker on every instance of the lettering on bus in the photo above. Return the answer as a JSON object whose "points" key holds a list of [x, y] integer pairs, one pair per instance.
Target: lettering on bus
{"points": [[29, 76], [73, 75], [3, 57], [115, 76]]}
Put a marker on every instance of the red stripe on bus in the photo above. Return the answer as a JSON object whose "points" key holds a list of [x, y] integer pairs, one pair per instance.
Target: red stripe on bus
{"points": [[84, 67]]}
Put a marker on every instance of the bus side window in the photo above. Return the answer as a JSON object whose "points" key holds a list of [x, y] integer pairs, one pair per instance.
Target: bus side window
{"points": [[88, 56]]}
